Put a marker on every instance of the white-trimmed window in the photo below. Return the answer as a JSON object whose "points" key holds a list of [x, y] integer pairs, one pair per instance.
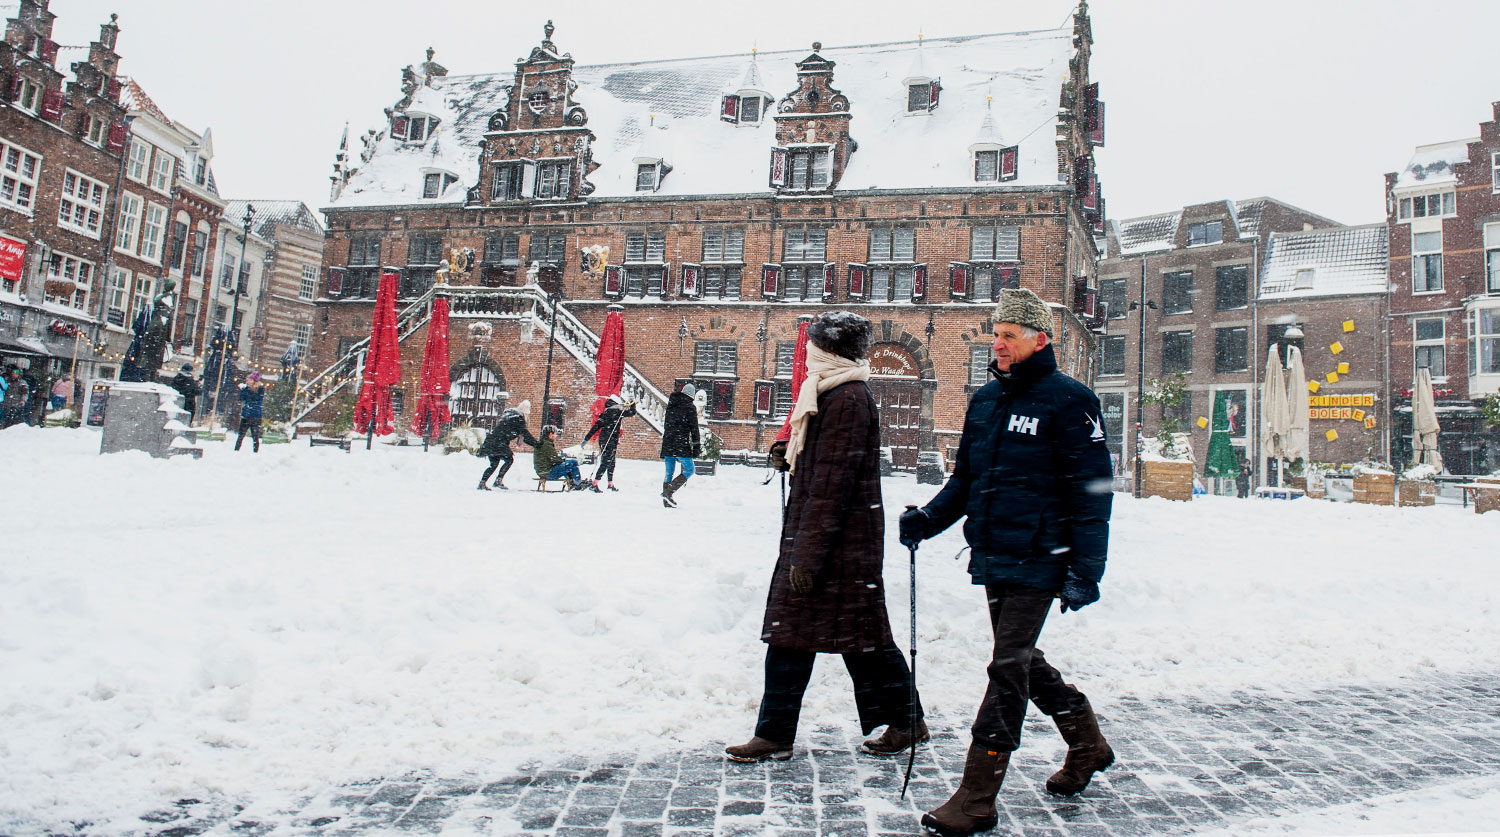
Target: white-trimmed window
{"points": [[1495, 172], [715, 358], [97, 130], [1435, 205], [138, 161], [809, 168], [309, 282], [161, 171], [1484, 341], [140, 297], [200, 249], [81, 204], [645, 263], [892, 260], [987, 165], [1426, 262], [29, 96], [1429, 346], [72, 269], [723, 260], [554, 179], [119, 299], [1492, 258], [418, 127], [804, 254], [227, 272], [995, 244], [152, 226], [980, 355], [129, 223], [301, 338], [435, 183], [18, 175]]}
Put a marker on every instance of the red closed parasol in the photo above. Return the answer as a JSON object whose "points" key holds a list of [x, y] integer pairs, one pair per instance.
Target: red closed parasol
{"points": [[432, 402], [609, 366], [799, 374], [382, 364]]}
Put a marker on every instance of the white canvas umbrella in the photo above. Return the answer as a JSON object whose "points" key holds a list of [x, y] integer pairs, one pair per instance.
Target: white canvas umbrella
{"points": [[1273, 413], [1424, 422], [1295, 445]]}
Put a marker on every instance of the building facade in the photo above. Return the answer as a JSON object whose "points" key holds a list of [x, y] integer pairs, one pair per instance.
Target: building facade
{"points": [[1443, 213], [284, 309], [716, 201]]}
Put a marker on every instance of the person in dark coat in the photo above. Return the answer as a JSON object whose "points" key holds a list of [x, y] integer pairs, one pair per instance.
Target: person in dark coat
{"points": [[252, 409], [827, 594], [17, 397], [1033, 477], [496, 446], [183, 382], [1242, 481], [607, 427], [679, 442]]}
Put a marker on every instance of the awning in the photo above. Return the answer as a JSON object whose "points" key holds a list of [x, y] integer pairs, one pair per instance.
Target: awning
{"points": [[36, 347]]}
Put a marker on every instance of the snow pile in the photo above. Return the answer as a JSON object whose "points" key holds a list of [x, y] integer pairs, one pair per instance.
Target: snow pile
{"points": [[263, 626]]}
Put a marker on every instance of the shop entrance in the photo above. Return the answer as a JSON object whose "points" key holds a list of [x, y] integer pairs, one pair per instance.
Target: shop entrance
{"points": [[896, 384]]}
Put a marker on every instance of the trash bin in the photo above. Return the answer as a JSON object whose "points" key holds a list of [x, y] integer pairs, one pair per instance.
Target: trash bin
{"points": [[930, 468]]}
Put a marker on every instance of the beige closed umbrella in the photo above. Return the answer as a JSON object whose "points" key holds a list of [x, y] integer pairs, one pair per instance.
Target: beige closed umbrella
{"points": [[1295, 445], [1424, 422], [1272, 410]]}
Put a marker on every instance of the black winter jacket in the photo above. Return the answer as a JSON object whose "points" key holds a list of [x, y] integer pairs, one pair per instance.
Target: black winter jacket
{"points": [[1033, 476], [184, 384], [510, 425], [680, 436], [607, 426]]}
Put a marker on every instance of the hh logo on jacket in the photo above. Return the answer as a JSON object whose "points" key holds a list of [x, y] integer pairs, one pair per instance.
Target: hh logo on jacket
{"points": [[1023, 424]]}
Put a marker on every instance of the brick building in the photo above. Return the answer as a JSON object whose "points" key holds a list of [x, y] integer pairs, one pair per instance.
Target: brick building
{"points": [[1443, 212], [1202, 270], [282, 312], [61, 143], [716, 201]]}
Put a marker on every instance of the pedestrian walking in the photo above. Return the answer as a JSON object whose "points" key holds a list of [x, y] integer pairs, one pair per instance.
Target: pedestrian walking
{"points": [[607, 427], [827, 594], [551, 465], [252, 407], [679, 442], [496, 446], [62, 392], [1032, 475], [17, 398], [189, 389], [1242, 481], [36, 396]]}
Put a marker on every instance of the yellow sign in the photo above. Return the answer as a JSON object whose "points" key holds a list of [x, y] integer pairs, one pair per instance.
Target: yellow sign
{"points": [[1343, 368], [1312, 386], [1336, 347], [1348, 325], [1364, 400], [1202, 422], [1331, 435], [1370, 422], [1359, 415], [1332, 377]]}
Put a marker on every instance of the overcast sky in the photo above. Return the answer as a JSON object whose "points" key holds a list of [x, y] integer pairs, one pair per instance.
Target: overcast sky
{"points": [[1308, 101]]}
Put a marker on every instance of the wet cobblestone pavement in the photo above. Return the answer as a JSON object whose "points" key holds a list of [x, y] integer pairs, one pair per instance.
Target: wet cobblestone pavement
{"points": [[1181, 767]]}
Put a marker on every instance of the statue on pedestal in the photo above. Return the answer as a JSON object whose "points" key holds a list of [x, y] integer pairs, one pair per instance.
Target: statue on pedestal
{"points": [[152, 330]]}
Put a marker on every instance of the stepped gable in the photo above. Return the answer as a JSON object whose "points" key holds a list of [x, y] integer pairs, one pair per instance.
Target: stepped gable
{"points": [[1024, 72]]}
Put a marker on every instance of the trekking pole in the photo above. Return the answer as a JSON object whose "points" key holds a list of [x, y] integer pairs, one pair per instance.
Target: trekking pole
{"points": [[911, 757]]}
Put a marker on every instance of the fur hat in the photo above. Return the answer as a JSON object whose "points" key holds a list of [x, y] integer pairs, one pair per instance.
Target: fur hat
{"points": [[842, 333], [1024, 308], [689, 390], [524, 408], [188, 368]]}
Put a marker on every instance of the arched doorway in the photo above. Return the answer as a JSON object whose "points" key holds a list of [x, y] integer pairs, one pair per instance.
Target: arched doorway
{"points": [[478, 391], [896, 383]]}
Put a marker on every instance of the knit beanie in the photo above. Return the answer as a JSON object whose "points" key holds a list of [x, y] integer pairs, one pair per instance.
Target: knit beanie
{"points": [[841, 333], [1024, 308]]}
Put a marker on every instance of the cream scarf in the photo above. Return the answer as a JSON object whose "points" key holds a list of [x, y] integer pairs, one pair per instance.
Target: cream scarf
{"points": [[824, 372]]}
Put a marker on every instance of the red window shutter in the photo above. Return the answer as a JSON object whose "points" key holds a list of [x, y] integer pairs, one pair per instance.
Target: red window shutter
{"points": [[1008, 157], [857, 281], [398, 127], [1091, 194], [1007, 277], [1096, 133], [112, 89], [52, 106], [932, 93], [335, 281], [958, 278], [778, 167], [729, 111], [47, 52], [663, 275], [765, 392], [1098, 218], [116, 141], [723, 406], [919, 282], [1090, 99], [1080, 294], [15, 86], [830, 278], [770, 281], [612, 284], [690, 280], [1080, 176]]}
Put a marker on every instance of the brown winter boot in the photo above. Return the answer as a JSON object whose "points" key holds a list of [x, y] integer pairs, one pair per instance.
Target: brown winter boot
{"points": [[1088, 752], [972, 807], [758, 749], [893, 742]]}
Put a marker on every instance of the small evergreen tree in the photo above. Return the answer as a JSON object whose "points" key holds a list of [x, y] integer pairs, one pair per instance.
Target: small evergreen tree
{"points": [[1489, 408], [1169, 392]]}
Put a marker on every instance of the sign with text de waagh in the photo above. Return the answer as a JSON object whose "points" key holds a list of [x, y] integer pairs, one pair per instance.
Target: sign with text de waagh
{"points": [[12, 258], [893, 361]]}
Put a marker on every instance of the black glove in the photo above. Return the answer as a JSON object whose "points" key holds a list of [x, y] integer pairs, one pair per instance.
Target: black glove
{"points": [[914, 525], [802, 580], [1077, 591], [778, 456]]}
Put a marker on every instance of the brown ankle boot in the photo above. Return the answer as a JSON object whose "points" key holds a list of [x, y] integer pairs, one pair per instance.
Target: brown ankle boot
{"points": [[893, 742], [758, 749], [1088, 752], [972, 807]]}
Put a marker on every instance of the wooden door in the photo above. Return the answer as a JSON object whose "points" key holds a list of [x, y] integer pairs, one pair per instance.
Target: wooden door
{"points": [[900, 405]]}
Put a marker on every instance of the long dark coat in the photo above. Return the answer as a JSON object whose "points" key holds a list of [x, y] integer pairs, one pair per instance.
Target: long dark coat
{"points": [[834, 527], [680, 434]]}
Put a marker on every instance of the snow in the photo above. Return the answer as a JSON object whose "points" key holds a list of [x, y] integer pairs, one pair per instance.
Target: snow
{"points": [[268, 625], [1432, 165]]}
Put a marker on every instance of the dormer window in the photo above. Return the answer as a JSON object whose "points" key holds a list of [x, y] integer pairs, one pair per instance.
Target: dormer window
{"points": [[28, 95], [413, 127], [805, 167], [1205, 232], [922, 95], [744, 108], [1304, 278], [645, 177], [435, 183]]}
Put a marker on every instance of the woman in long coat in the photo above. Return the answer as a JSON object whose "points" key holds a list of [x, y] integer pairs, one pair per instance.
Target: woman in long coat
{"points": [[827, 594]]}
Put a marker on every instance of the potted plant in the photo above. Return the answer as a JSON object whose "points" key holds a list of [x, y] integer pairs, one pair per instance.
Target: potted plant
{"points": [[708, 464], [1167, 460], [1417, 486], [1374, 483]]}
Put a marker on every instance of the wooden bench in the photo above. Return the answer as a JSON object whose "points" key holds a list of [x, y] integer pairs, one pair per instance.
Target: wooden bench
{"points": [[1486, 495], [320, 441]]}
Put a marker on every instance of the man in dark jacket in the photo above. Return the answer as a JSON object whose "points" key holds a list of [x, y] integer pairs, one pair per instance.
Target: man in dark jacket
{"points": [[252, 410], [607, 427], [679, 441], [827, 594], [1033, 477], [183, 382], [496, 445]]}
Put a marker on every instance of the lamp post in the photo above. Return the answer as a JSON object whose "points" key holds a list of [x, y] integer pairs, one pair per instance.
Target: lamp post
{"points": [[234, 313], [1140, 390], [553, 298], [762, 334]]}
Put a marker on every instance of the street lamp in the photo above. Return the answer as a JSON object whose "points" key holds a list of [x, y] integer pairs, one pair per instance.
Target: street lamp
{"points": [[234, 314], [1140, 391], [553, 298]]}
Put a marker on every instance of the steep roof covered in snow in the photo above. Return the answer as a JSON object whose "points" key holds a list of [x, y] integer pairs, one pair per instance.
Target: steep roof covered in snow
{"points": [[271, 213], [1432, 165], [1343, 260], [1024, 72], [1147, 233]]}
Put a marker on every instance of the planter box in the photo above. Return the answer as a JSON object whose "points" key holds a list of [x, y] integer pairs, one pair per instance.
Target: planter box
{"points": [[1317, 489], [1375, 489], [1417, 493], [1172, 480], [705, 467], [1299, 483]]}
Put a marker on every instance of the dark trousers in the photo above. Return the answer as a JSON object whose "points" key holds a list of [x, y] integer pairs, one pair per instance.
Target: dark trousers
{"points": [[882, 690], [251, 426], [507, 456], [606, 463], [1018, 670]]}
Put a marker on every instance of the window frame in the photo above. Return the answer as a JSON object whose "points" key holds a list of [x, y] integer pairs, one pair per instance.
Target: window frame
{"points": [[138, 165], [29, 96], [163, 168], [1410, 207], [813, 160], [15, 182], [1423, 346], [1427, 259], [1175, 294], [558, 172], [150, 243], [982, 158], [1495, 172], [514, 181], [443, 180], [1105, 344], [132, 208], [1107, 292], [81, 275], [1492, 257], [1184, 351], [994, 254], [308, 289], [721, 260], [1483, 345], [1242, 300], [70, 204], [1242, 350], [1199, 233], [724, 356]]}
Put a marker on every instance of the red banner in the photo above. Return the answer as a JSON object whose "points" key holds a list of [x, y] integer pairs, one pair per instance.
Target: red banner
{"points": [[12, 258]]}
